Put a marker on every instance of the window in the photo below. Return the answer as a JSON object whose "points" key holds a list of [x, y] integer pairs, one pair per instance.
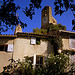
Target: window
{"points": [[72, 42], [44, 19], [45, 12], [35, 40], [39, 61], [3, 47], [8, 48]]}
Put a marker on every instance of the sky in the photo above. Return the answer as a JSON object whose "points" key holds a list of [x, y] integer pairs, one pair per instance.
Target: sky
{"points": [[64, 19]]}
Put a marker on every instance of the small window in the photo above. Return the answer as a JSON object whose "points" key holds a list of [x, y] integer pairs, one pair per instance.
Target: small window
{"points": [[35, 41], [10, 48], [72, 42], [39, 61], [3, 47], [44, 19]]}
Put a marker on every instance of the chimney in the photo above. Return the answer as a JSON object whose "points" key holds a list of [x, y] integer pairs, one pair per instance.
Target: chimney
{"points": [[18, 29]]}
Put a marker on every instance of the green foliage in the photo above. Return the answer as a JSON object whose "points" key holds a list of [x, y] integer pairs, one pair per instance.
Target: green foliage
{"points": [[51, 27], [54, 65], [62, 6], [38, 42], [20, 67], [57, 43], [39, 31], [9, 8], [25, 67], [8, 17], [57, 27]]}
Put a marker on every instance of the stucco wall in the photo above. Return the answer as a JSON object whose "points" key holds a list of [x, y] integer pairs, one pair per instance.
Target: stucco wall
{"points": [[4, 59], [5, 56], [22, 47]]}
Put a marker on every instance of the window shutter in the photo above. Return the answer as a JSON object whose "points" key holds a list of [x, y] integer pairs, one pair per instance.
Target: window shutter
{"points": [[72, 42], [10, 48], [33, 40]]}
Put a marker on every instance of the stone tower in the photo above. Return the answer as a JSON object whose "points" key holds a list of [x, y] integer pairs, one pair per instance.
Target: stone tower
{"points": [[46, 17], [18, 29]]}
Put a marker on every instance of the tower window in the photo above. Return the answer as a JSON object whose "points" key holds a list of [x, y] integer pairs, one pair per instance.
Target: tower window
{"points": [[45, 12], [44, 19]]}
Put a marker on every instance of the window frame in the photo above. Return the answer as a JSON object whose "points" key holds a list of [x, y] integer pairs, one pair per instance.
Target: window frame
{"points": [[38, 65], [34, 61]]}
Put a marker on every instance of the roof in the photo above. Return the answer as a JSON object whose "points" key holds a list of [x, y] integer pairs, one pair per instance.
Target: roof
{"points": [[47, 35], [21, 34], [8, 36], [64, 31]]}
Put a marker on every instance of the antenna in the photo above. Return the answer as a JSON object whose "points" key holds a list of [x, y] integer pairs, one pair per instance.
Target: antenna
{"points": [[17, 15]]}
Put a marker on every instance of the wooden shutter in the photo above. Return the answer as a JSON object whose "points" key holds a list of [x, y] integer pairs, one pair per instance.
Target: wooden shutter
{"points": [[72, 42]]}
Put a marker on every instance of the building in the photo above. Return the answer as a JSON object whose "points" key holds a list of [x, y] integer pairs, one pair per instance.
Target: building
{"points": [[24, 44], [46, 17], [34, 45]]}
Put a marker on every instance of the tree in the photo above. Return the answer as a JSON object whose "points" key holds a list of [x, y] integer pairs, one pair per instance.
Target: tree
{"points": [[57, 27], [51, 27], [8, 9], [62, 6], [39, 31], [54, 65]]}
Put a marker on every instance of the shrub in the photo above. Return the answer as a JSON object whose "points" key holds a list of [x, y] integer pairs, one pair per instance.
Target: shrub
{"points": [[54, 65]]}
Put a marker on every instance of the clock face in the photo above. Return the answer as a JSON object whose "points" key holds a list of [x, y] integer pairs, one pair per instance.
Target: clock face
{"points": [[45, 19]]}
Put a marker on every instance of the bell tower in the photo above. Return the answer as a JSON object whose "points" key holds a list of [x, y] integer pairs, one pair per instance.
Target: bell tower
{"points": [[46, 17]]}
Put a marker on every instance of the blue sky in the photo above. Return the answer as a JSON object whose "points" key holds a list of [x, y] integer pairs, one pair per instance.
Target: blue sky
{"points": [[64, 19]]}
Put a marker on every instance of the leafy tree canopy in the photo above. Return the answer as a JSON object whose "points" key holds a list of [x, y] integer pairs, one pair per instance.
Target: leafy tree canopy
{"points": [[50, 28], [39, 31], [62, 6], [8, 17], [54, 65], [57, 27], [8, 9]]}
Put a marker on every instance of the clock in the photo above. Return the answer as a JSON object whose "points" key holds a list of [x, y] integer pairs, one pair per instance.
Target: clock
{"points": [[45, 19]]}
